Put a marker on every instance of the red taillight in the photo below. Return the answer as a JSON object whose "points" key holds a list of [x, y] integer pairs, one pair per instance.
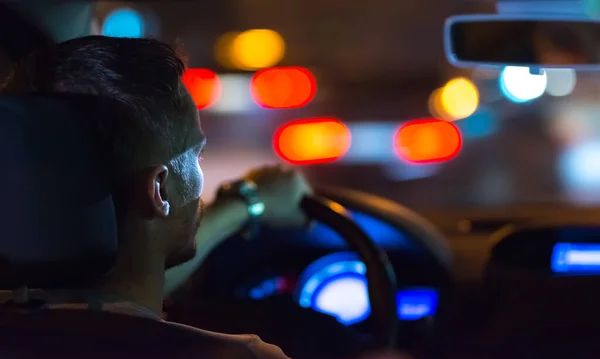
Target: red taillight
{"points": [[203, 85], [312, 141], [427, 141], [283, 87]]}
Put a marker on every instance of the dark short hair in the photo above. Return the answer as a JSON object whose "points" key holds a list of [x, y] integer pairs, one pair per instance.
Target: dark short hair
{"points": [[141, 77]]}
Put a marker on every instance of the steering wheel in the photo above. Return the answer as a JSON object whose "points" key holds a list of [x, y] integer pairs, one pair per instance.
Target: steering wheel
{"points": [[381, 279], [184, 306]]}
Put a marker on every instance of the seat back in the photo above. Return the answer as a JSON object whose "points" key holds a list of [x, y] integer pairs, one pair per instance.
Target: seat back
{"points": [[58, 227], [58, 230]]}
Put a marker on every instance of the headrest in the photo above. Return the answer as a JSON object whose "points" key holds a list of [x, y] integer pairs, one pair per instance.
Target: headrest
{"points": [[57, 222]]}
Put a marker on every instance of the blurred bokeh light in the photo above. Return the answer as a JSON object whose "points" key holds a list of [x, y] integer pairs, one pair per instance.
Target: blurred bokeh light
{"points": [[235, 95], [482, 123], [283, 87], [519, 85], [123, 22], [435, 104], [459, 98], [222, 49], [579, 167], [312, 141], [428, 140], [203, 85], [255, 49], [561, 82], [372, 142]]}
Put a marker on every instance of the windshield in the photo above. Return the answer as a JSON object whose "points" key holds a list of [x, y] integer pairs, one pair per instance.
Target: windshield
{"points": [[377, 65]]}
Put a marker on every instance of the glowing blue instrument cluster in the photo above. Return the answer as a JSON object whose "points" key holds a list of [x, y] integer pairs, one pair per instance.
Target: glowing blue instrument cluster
{"points": [[336, 285]]}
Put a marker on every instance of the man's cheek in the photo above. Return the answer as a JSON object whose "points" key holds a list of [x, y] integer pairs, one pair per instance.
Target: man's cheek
{"points": [[200, 181]]}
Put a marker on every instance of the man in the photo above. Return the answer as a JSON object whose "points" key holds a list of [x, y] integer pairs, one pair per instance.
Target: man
{"points": [[154, 145]]}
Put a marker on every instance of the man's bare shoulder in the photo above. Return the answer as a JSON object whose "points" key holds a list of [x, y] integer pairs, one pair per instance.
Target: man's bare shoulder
{"points": [[236, 346]]}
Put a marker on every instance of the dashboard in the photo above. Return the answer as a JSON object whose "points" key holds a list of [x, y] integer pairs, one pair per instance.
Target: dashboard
{"points": [[310, 275], [324, 277], [539, 285], [549, 250], [336, 285], [315, 270]]}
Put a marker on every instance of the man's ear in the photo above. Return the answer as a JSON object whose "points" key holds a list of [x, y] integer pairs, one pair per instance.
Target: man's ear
{"points": [[157, 191]]}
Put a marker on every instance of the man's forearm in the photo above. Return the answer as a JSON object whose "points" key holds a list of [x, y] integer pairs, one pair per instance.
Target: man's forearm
{"points": [[221, 220]]}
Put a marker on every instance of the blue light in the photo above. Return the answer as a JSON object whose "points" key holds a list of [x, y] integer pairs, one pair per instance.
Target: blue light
{"points": [[123, 23], [417, 303], [323, 270], [576, 258], [266, 288], [480, 124], [382, 233], [336, 285], [257, 293], [344, 297], [579, 166]]}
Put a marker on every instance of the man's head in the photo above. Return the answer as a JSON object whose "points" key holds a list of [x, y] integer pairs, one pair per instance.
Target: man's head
{"points": [[146, 122]]}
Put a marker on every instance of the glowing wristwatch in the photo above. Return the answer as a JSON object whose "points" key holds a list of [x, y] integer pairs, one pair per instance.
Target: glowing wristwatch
{"points": [[248, 192]]}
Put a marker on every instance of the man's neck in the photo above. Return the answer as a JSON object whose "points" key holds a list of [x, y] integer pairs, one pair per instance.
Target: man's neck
{"points": [[138, 275]]}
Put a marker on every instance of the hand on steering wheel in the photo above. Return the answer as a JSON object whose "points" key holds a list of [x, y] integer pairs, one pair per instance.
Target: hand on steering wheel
{"points": [[281, 189]]}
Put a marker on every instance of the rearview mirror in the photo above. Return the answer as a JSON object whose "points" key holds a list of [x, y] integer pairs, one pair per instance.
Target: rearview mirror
{"points": [[501, 40]]}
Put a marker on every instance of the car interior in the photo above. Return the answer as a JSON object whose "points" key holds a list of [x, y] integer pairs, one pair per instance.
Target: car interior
{"points": [[369, 274]]}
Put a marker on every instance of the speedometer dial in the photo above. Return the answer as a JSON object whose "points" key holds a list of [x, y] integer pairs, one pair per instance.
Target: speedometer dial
{"points": [[336, 285]]}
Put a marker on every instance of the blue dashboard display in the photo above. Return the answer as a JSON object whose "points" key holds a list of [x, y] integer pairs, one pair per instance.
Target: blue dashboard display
{"points": [[580, 258], [416, 303], [267, 288], [336, 285]]}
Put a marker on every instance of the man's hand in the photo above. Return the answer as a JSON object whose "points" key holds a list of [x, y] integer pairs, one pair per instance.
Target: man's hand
{"points": [[281, 189]]}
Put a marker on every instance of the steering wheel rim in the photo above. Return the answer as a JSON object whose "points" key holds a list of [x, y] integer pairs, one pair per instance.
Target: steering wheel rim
{"points": [[381, 281], [381, 278]]}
